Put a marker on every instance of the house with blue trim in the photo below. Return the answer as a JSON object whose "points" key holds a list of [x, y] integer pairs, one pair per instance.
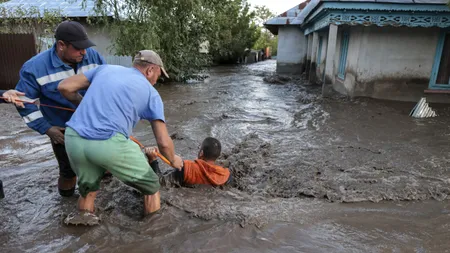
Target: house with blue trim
{"points": [[387, 49]]}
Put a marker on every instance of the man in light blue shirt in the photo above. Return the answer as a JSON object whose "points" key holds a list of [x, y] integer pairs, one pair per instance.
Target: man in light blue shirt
{"points": [[118, 98], [98, 134]]}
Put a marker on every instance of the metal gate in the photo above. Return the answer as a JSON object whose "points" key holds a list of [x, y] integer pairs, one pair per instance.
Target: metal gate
{"points": [[15, 50]]}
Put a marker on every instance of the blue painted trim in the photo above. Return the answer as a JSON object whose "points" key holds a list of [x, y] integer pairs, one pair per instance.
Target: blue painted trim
{"points": [[319, 52], [389, 7], [380, 19], [437, 60], [343, 56]]}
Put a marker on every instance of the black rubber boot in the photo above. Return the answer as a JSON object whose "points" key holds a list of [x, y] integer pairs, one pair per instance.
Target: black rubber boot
{"points": [[67, 193], [65, 183], [2, 193]]}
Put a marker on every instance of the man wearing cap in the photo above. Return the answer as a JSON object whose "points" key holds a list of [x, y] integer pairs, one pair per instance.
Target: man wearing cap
{"points": [[98, 134], [39, 78]]}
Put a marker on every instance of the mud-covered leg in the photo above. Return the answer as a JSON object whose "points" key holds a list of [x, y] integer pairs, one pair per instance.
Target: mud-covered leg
{"points": [[152, 203], [87, 203]]}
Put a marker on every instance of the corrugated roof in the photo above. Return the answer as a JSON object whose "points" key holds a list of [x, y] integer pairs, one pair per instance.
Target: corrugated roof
{"points": [[288, 16], [393, 1], [68, 8], [297, 15]]}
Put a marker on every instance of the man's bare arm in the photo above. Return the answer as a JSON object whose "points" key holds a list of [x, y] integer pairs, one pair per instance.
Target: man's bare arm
{"points": [[69, 88], [165, 143]]}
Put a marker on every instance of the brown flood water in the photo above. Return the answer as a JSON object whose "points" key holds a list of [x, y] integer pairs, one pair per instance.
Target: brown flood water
{"points": [[312, 175]]}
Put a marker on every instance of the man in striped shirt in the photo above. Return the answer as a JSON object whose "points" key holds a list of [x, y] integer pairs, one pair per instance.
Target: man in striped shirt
{"points": [[39, 78]]}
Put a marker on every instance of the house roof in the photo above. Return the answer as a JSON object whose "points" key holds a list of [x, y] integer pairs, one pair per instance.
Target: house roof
{"points": [[68, 8], [393, 1], [288, 16], [298, 14]]}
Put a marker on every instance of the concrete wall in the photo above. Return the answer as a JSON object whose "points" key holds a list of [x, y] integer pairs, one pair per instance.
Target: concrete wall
{"points": [[309, 52], [320, 70], [338, 85], [292, 47], [101, 38], [387, 62]]}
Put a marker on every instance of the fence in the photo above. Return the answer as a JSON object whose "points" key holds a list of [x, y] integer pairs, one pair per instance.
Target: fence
{"points": [[15, 50], [125, 61]]}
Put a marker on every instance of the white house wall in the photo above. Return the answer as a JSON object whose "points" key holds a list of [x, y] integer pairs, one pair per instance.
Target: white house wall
{"points": [[292, 48], [387, 62], [101, 38], [321, 67], [337, 84], [356, 42]]}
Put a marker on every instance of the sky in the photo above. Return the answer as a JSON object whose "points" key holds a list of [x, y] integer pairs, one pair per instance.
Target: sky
{"points": [[276, 6]]}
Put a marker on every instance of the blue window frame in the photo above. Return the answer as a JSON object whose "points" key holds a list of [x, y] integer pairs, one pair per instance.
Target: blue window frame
{"points": [[440, 75], [319, 51], [343, 55]]}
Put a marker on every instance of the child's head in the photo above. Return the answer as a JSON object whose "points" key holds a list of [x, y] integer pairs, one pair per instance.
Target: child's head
{"points": [[210, 149]]}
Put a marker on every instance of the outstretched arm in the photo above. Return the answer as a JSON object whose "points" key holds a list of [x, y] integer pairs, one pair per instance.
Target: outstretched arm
{"points": [[165, 143], [69, 88], [11, 96]]}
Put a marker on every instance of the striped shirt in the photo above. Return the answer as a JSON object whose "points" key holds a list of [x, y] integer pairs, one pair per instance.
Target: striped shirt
{"points": [[39, 78]]}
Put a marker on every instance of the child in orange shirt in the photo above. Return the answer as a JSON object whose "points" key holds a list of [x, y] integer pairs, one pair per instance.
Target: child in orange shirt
{"points": [[200, 171]]}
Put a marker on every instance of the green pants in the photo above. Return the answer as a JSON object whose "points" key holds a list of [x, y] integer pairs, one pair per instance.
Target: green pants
{"points": [[120, 156]]}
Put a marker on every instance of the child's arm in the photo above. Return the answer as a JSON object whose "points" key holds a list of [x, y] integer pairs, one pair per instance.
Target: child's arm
{"points": [[152, 159], [151, 153]]}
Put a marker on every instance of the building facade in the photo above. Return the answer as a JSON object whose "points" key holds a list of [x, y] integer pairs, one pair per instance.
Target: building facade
{"points": [[396, 50]]}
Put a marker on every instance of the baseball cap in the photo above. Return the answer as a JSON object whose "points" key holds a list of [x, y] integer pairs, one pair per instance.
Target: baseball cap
{"points": [[74, 33], [151, 56]]}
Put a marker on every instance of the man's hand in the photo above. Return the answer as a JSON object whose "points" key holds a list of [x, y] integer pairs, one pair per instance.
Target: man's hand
{"points": [[151, 153], [56, 134], [177, 163], [12, 95], [69, 88]]}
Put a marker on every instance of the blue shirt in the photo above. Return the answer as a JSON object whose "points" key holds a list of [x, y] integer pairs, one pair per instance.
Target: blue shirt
{"points": [[1, 94], [116, 100], [39, 78]]}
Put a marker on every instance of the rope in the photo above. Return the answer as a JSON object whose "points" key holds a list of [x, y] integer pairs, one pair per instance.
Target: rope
{"points": [[72, 110], [157, 153], [51, 106]]}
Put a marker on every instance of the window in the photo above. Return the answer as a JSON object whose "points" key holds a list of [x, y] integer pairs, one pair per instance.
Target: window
{"points": [[319, 52], [440, 77], [343, 55]]}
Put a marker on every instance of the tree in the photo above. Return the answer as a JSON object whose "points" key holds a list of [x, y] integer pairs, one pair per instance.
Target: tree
{"points": [[263, 13], [266, 38], [235, 31], [177, 28]]}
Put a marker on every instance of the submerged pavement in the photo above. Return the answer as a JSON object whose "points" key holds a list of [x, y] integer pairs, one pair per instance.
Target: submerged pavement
{"points": [[312, 175]]}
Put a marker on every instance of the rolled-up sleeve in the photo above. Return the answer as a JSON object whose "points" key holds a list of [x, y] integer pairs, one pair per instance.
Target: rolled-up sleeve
{"points": [[31, 114], [155, 108]]}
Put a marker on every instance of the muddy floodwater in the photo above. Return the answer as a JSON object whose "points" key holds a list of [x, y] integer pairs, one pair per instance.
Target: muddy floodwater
{"points": [[311, 175]]}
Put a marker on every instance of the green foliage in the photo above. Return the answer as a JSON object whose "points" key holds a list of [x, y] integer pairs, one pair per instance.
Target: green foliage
{"points": [[262, 14], [177, 28], [234, 31], [266, 38], [29, 20]]}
